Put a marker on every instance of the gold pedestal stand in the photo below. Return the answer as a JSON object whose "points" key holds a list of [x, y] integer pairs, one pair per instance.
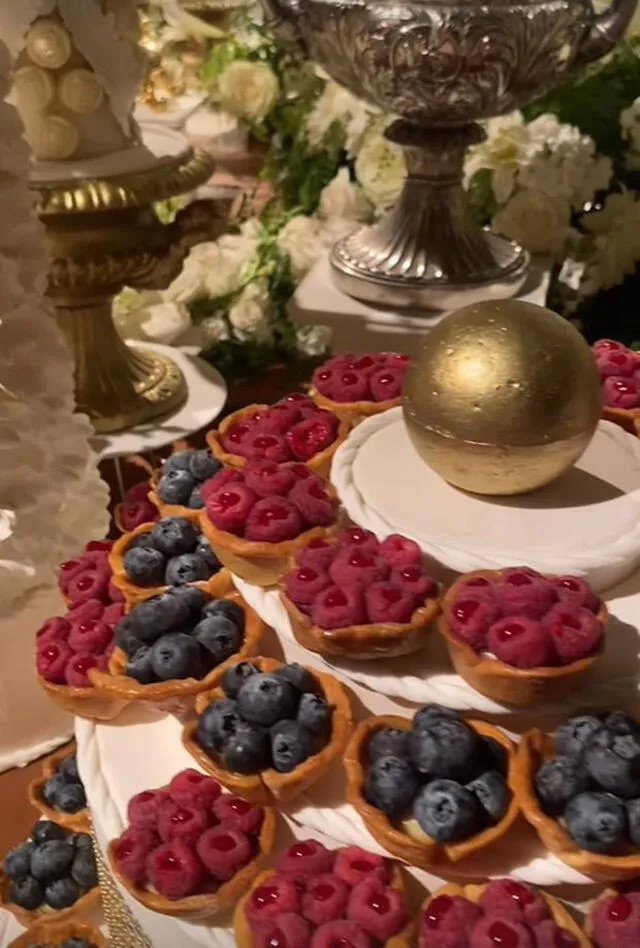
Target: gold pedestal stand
{"points": [[103, 234]]}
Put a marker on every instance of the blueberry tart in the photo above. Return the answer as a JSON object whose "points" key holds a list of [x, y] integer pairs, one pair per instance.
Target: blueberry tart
{"points": [[176, 487], [59, 794], [358, 386], [66, 934]]}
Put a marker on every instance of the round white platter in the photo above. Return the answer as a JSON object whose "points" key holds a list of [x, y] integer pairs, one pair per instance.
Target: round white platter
{"points": [[586, 523]]}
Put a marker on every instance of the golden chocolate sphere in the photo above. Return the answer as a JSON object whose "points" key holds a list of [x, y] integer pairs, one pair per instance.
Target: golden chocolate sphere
{"points": [[502, 398]]}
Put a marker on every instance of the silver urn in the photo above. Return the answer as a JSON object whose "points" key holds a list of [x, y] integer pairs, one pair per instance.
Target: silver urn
{"points": [[440, 66]]}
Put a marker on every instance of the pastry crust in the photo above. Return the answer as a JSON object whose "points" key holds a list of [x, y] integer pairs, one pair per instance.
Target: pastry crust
{"points": [[353, 412], [94, 704], [320, 462], [474, 893], [534, 749], [504, 683], [269, 786], [72, 821], [423, 852], [178, 696], [85, 905], [627, 418], [242, 929], [208, 904], [56, 933], [605, 894]]}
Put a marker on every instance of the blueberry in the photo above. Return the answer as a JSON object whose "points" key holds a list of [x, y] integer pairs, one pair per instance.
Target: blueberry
{"points": [[446, 748], [388, 742], [621, 723], [298, 676], [265, 699], [27, 893], [571, 737], [83, 869], [426, 716], [140, 666], [203, 465], [145, 567], [493, 755], [61, 894], [314, 713], [175, 487], [596, 821], [633, 819], [196, 500], [447, 811], [219, 637], [291, 745], [612, 759], [206, 554], [217, 723], [51, 789], [235, 676], [180, 461], [45, 830], [247, 750], [557, 782], [17, 862], [195, 599], [175, 656], [187, 568], [492, 793], [81, 841], [142, 542], [71, 798], [51, 860], [68, 767], [76, 943], [157, 616], [228, 608], [391, 784], [174, 536], [126, 637]]}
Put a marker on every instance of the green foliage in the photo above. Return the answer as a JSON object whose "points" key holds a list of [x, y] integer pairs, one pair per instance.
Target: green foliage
{"points": [[481, 196]]}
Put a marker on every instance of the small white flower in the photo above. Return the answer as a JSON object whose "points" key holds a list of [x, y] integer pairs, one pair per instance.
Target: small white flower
{"points": [[224, 265], [541, 225], [313, 340], [615, 249], [249, 315], [301, 239], [149, 316], [189, 285], [214, 329], [342, 199], [337, 104], [248, 89], [380, 168]]}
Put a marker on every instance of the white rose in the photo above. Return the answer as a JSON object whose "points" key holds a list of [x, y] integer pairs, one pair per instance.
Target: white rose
{"points": [[313, 340], [225, 263], [334, 105], [149, 316], [538, 223], [380, 168], [301, 239], [189, 285], [341, 199], [248, 90], [615, 250], [249, 316], [214, 329]]}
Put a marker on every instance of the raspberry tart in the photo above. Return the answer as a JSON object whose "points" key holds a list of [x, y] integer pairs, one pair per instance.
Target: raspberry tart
{"points": [[65, 934], [500, 914], [176, 487], [171, 647], [59, 794], [521, 638], [351, 596], [88, 576], [52, 875], [190, 849], [358, 386], [432, 790], [319, 898], [257, 518], [269, 731], [156, 556], [135, 508], [294, 430], [619, 369], [580, 790], [614, 920]]}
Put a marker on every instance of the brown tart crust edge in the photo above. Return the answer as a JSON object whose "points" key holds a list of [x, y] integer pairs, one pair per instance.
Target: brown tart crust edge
{"points": [[86, 904], [353, 412], [55, 933], [73, 821]]}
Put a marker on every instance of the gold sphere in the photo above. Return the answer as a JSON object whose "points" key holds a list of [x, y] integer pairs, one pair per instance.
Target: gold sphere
{"points": [[503, 397]]}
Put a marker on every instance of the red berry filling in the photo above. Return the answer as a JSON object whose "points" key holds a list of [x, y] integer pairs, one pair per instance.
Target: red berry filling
{"points": [[273, 520], [174, 870], [356, 536], [621, 392], [368, 378], [378, 909], [90, 637], [292, 429], [224, 851], [386, 383], [143, 809], [192, 788], [341, 934], [267, 479], [493, 931], [236, 813], [336, 608], [575, 592], [507, 897], [521, 642], [310, 437], [549, 935], [575, 632], [354, 865], [471, 616], [616, 922], [520, 593], [229, 507], [305, 858], [54, 630], [400, 551], [387, 602], [303, 585], [313, 502], [290, 931], [325, 898], [618, 362], [130, 852], [354, 566], [277, 896], [177, 821]]}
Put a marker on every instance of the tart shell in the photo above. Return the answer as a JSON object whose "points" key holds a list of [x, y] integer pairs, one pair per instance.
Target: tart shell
{"points": [[425, 853], [86, 904], [534, 749], [353, 412], [73, 821], [244, 937], [504, 683], [627, 418], [94, 704], [55, 933], [269, 786], [474, 893]]}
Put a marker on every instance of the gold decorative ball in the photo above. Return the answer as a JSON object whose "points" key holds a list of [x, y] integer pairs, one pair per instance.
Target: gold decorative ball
{"points": [[502, 398]]}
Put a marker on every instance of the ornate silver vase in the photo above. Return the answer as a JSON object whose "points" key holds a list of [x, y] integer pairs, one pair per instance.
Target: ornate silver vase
{"points": [[441, 66]]}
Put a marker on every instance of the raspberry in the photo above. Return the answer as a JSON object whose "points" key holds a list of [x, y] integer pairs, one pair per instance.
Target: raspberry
{"points": [[278, 896], [386, 602], [86, 611], [263, 446], [89, 584], [446, 921], [191, 788], [341, 933], [317, 553], [77, 670], [386, 383], [400, 551], [618, 392], [521, 642], [575, 632], [337, 608], [549, 935], [236, 436], [113, 614], [134, 514], [178, 821], [224, 477], [52, 659], [356, 536], [229, 507], [507, 897], [381, 911], [66, 572], [235, 813], [519, 593], [324, 380], [54, 630], [174, 870], [131, 850], [607, 345], [304, 859], [90, 638], [470, 617], [616, 922], [479, 587], [354, 865], [279, 418], [272, 520], [143, 808], [96, 557], [495, 930], [290, 931], [314, 503], [303, 473], [354, 566], [618, 362], [267, 479], [136, 493], [365, 364], [414, 581], [224, 851], [350, 386], [325, 899], [308, 438], [304, 584], [575, 592]]}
